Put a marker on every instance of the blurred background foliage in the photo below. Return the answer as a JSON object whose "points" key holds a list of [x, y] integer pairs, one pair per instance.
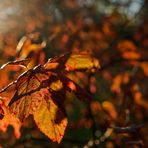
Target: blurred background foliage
{"points": [[116, 32]]}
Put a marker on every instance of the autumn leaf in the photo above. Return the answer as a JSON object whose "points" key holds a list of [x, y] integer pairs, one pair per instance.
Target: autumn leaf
{"points": [[71, 86], [4, 80], [51, 119], [32, 85], [131, 55], [22, 62], [6, 119], [119, 80], [126, 45], [144, 67], [28, 48], [73, 61], [41, 92], [110, 109], [30, 98], [30, 89], [25, 45]]}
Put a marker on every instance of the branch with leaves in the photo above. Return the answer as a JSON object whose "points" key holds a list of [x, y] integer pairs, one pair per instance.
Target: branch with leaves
{"points": [[38, 91]]}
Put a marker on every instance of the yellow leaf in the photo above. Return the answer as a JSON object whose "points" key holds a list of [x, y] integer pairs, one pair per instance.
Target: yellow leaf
{"points": [[73, 61], [81, 61], [51, 119], [25, 47], [27, 104], [110, 109]]}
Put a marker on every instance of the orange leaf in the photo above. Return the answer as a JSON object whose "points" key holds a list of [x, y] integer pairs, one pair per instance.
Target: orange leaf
{"points": [[138, 97], [127, 45], [25, 45], [8, 119], [144, 66], [119, 80], [30, 90], [131, 55], [110, 109]]}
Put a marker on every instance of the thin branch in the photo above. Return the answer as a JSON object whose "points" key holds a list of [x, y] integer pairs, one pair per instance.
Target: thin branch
{"points": [[127, 129], [9, 85]]}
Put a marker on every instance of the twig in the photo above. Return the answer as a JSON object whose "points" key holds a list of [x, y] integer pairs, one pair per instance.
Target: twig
{"points": [[127, 129]]}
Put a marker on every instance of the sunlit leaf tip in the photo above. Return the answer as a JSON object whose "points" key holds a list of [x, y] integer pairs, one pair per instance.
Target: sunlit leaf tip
{"points": [[74, 61]]}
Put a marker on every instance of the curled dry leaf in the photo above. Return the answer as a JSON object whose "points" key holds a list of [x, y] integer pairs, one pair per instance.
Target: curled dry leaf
{"points": [[25, 46]]}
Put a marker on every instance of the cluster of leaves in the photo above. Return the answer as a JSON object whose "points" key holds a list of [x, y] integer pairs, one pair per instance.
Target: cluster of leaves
{"points": [[119, 90], [40, 92]]}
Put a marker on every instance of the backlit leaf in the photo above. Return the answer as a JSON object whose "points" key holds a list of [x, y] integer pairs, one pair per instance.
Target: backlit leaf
{"points": [[6, 119], [41, 92], [73, 61], [30, 90], [119, 80], [25, 45], [50, 119]]}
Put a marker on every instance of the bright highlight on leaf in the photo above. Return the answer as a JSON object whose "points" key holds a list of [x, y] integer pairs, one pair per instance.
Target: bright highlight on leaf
{"points": [[81, 61], [73, 61], [50, 119]]}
